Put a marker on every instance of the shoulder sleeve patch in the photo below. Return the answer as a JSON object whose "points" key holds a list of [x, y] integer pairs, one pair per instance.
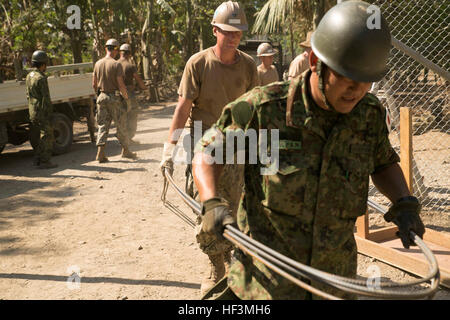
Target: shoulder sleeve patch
{"points": [[241, 113]]}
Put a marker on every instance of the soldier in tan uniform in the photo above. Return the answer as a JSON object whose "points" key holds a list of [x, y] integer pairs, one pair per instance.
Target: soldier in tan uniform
{"points": [[108, 83], [211, 79], [130, 74], [301, 63], [267, 73]]}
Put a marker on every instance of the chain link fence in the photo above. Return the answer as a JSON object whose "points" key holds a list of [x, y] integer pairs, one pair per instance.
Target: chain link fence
{"points": [[422, 25]]}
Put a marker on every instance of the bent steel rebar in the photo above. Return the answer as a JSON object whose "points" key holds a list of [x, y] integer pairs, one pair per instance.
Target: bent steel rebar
{"points": [[291, 269]]}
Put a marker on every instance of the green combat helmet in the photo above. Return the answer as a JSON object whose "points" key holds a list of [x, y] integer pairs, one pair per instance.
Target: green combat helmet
{"points": [[346, 42], [39, 56]]}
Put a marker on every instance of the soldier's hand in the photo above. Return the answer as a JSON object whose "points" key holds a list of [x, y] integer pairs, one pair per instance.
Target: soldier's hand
{"points": [[216, 214], [128, 101], [405, 214], [167, 157]]}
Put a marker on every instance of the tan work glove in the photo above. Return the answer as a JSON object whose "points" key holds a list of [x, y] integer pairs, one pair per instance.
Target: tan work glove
{"points": [[167, 157]]}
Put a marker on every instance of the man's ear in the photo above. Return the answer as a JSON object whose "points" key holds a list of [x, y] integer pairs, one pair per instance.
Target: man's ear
{"points": [[313, 61], [215, 31]]}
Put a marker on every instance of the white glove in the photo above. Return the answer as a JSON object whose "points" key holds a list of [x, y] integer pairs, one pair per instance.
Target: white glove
{"points": [[167, 157]]}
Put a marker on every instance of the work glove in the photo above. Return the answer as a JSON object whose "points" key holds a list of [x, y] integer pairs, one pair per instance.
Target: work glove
{"points": [[128, 102], [405, 214], [216, 214], [167, 157]]}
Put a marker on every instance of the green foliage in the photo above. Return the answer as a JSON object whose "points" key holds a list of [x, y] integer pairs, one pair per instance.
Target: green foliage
{"points": [[168, 32]]}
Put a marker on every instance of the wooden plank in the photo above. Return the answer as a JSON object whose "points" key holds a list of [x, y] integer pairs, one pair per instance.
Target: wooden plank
{"points": [[362, 226], [406, 145], [436, 237], [392, 253], [386, 233]]}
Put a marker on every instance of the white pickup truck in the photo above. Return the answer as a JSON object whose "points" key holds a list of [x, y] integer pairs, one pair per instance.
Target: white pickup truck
{"points": [[72, 98]]}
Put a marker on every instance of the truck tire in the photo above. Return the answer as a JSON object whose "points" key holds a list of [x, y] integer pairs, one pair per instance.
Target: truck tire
{"points": [[63, 132]]}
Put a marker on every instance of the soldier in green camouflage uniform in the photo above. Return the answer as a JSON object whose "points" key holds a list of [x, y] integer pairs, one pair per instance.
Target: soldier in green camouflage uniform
{"points": [[40, 108], [329, 144]]}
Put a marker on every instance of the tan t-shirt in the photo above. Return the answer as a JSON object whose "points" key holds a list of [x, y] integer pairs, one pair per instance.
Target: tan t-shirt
{"points": [[299, 65], [267, 76], [129, 70], [107, 70], [211, 85]]}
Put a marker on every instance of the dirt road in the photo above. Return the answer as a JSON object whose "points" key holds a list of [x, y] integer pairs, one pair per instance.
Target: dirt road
{"points": [[104, 222]]}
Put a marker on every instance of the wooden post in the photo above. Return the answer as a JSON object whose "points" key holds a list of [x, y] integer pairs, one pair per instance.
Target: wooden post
{"points": [[362, 226], [406, 147]]}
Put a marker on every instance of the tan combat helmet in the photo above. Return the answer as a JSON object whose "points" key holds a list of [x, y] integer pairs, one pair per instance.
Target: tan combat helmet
{"points": [[229, 16], [265, 50], [125, 47], [112, 43], [307, 42]]}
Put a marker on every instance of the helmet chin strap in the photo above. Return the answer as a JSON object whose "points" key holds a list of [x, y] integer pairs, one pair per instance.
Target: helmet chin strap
{"points": [[321, 74]]}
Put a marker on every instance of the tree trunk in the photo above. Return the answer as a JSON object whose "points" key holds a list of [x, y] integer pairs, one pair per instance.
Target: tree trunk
{"points": [[75, 43], [147, 64], [318, 11], [18, 67], [291, 38], [96, 50], [189, 39]]}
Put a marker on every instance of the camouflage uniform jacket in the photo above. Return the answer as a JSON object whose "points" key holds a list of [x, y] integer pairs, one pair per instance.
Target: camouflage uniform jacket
{"points": [[39, 103], [307, 210]]}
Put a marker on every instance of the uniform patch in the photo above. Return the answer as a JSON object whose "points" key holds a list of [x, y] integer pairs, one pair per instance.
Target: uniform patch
{"points": [[241, 113], [290, 145], [388, 120]]}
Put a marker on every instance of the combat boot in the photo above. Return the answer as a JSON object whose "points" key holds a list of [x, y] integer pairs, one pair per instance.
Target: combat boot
{"points": [[101, 155], [216, 273], [47, 165], [134, 142], [126, 153]]}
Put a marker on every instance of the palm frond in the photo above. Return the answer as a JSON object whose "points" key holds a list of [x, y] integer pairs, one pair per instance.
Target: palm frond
{"points": [[272, 16], [166, 7]]}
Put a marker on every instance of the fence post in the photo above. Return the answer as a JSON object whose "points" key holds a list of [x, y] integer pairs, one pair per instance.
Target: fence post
{"points": [[406, 147]]}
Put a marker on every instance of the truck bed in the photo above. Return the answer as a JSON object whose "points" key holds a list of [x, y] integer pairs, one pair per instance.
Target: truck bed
{"points": [[62, 89]]}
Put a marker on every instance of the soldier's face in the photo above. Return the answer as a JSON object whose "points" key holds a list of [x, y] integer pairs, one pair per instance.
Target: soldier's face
{"points": [[227, 39], [267, 61], [343, 93]]}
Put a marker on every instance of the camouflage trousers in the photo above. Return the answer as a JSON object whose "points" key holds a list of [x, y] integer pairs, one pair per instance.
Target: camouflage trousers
{"points": [[42, 137], [230, 187], [132, 117], [110, 107]]}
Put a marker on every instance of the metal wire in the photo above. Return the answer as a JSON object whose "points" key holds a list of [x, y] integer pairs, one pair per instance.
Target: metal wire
{"points": [[286, 266], [422, 40]]}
